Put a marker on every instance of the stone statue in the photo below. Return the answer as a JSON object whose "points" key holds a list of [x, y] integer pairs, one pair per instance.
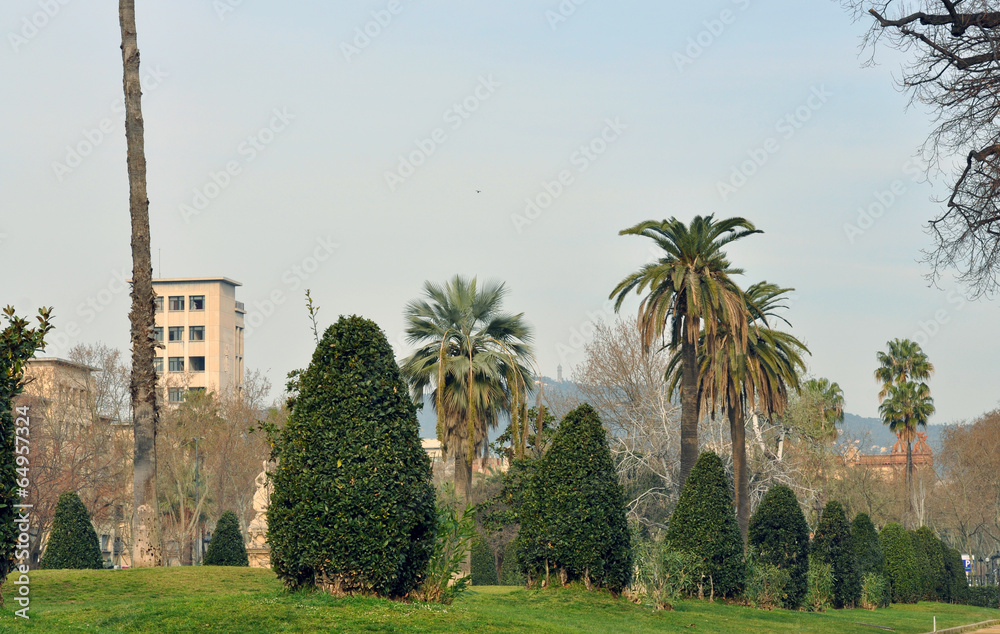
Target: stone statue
{"points": [[257, 530]]}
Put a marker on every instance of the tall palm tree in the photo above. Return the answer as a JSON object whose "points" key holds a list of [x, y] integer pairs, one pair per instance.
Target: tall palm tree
{"points": [[830, 402], [691, 286], [740, 378], [904, 361], [146, 548], [908, 404], [476, 357]]}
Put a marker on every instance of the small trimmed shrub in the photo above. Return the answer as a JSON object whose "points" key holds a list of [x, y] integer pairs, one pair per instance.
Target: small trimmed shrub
{"points": [[832, 544], [73, 542], [510, 571], [900, 563], [875, 591], [779, 537], [983, 596], [767, 586], [930, 563], [227, 547], [819, 596], [352, 509], [484, 568], [663, 574], [867, 549], [704, 524], [573, 517]]}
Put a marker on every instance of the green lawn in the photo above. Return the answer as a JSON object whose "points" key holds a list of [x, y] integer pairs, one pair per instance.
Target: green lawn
{"points": [[251, 600]]}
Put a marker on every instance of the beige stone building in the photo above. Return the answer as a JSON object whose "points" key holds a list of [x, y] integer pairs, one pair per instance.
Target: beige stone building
{"points": [[199, 323]]}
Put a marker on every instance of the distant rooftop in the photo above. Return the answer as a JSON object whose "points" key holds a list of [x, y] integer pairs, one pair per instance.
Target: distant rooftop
{"points": [[67, 362], [188, 280]]}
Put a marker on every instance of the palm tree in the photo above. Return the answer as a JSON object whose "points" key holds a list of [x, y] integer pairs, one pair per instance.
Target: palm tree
{"points": [[740, 379], [908, 404], [691, 285], [146, 549], [476, 357], [830, 402], [903, 362]]}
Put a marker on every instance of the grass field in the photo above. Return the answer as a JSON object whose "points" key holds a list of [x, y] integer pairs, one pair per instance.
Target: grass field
{"points": [[252, 600]]}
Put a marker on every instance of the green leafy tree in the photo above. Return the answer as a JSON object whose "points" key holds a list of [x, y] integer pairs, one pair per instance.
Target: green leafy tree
{"points": [[18, 343], [704, 525], [900, 563], [352, 508], [867, 549], [779, 537], [476, 357], [690, 290], [833, 544], [829, 402], [227, 547], [73, 541], [573, 517], [930, 563]]}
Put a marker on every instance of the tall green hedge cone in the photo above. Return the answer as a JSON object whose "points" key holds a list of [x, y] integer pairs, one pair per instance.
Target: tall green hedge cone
{"points": [[352, 510], [573, 522], [779, 536], [930, 563], [833, 545], [900, 563], [227, 547], [704, 524], [867, 549], [73, 542]]}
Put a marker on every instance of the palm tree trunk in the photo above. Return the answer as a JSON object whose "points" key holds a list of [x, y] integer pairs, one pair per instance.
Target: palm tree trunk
{"points": [[909, 481], [689, 407], [146, 548], [463, 491], [741, 485]]}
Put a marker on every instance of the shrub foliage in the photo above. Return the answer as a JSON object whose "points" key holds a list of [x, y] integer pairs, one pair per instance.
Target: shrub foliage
{"points": [[352, 508], [704, 524], [573, 515], [484, 566], [227, 547], [73, 542], [930, 563], [900, 563], [867, 549], [832, 544], [779, 537]]}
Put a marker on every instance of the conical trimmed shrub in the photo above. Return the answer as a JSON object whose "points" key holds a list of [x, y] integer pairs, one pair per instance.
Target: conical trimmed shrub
{"points": [[227, 547], [867, 549], [779, 536], [930, 563], [900, 563], [73, 541], [352, 509], [704, 524], [573, 520], [833, 545]]}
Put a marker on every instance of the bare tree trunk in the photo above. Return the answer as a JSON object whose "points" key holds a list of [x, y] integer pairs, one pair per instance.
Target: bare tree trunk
{"points": [[741, 485], [463, 491], [689, 406], [146, 547]]}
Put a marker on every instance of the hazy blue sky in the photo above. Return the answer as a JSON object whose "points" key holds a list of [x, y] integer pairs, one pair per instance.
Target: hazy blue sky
{"points": [[309, 117]]}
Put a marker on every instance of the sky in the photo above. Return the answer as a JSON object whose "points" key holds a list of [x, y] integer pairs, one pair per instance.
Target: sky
{"points": [[360, 148]]}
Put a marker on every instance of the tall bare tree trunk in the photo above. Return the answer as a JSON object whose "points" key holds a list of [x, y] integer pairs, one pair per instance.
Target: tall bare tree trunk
{"points": [[146, 547], [689, 404], [741, 485]]}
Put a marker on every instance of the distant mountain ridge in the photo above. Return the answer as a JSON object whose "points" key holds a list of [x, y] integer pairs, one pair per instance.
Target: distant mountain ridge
{"points": [[873, 432]]}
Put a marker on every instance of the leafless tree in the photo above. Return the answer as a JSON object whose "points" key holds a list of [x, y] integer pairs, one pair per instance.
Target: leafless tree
{"points": [[955, 72]]}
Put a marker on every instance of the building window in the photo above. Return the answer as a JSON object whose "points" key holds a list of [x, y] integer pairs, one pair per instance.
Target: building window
{"points": [[197, 364], [200, 390], [196, 333], [176, 302], [159, 303], [176, 364], [158, 364], [197, 302], [175, 394], [158, 333], [177, 333]]}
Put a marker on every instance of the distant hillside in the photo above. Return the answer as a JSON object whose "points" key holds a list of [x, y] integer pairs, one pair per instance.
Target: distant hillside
{"points": [[872, 431]]}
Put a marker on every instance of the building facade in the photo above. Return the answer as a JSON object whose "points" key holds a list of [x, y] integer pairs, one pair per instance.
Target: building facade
{"points": [[199, 328]]}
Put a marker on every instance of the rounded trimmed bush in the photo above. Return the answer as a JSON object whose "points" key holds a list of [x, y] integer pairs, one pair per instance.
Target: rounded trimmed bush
{"points": [[227, 547], [930, 563], [352, 509], [900, 563], [867, 549], [73, 541], [832, 544], [956, 588], [484, 567], [573, 519], [704, 524], [779, 536]]}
